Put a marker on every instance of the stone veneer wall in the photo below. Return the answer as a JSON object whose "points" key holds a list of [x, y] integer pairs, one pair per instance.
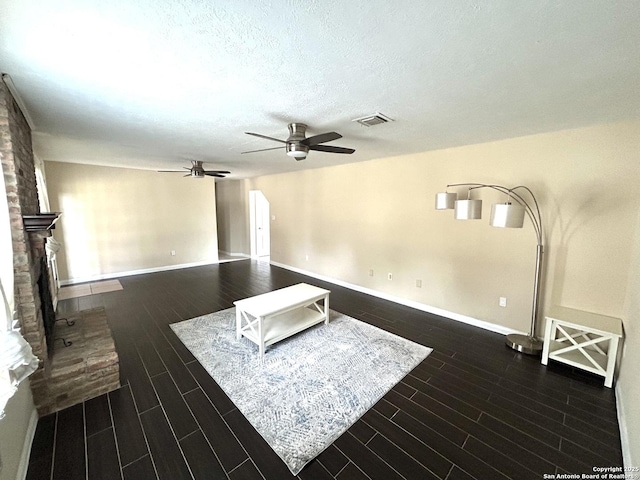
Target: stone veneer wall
{"points": [[22, 196], [91, 366]]}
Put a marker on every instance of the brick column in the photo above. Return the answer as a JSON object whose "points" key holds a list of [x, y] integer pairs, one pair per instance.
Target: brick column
{"points": [[90, 367], [18, 167]]}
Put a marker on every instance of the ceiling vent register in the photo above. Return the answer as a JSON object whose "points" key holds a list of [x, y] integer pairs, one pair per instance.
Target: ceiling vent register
{"points": [[371, 120]]}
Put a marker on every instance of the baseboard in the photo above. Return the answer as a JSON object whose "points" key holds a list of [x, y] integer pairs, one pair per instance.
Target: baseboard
{"points": [[624, 433], [107, 276], [23, 466], [404, 301]]}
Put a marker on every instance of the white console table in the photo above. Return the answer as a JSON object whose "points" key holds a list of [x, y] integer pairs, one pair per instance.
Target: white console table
{"points": [[268, 318], [584, 340]]}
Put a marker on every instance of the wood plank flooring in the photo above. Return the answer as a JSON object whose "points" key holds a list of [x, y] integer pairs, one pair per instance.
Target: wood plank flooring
{"points": [[473, 409]]}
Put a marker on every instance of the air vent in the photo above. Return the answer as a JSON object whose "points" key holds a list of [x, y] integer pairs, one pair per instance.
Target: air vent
{"points": [[371, 120]]}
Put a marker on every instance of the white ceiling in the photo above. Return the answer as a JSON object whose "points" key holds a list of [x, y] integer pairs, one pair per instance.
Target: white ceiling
{"points": [[154, 83]]}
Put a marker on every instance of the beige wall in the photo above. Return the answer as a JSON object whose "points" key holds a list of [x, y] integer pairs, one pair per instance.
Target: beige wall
{"points": [[379, 215], [628, 386], [232, 214], [16, 433], [117, 220]]}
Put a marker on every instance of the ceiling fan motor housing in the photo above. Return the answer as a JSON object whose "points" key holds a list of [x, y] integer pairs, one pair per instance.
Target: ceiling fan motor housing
{"points": [[197, 170], [295, 149]]}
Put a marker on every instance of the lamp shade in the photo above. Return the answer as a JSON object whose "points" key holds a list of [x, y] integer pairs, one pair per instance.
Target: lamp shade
{"points": [[468, 209], [445, 200], [507, 215]]}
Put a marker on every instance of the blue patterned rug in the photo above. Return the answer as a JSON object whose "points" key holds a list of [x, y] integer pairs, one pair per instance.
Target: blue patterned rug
{"points": [[311, 387]]}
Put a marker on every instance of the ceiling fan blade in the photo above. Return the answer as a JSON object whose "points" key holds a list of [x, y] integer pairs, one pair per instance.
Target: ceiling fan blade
{"points": [[207, 172], [170, 171], [322, 138], [331, 149], [264, 136], [213, 174], [262, 150]]}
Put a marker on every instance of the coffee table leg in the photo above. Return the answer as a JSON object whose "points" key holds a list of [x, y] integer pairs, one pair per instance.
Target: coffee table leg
{"points": [[238, 323], [326, 310], [261, 337]]}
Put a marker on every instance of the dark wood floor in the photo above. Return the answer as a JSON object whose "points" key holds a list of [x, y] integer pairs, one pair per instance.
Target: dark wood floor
{"points": [[472, 409]]}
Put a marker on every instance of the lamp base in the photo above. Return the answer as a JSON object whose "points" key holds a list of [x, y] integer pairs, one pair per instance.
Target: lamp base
{"points": [[524, 344]]}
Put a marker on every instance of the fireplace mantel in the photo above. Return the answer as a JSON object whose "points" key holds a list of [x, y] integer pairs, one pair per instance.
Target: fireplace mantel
{"points": [[40, 221]]}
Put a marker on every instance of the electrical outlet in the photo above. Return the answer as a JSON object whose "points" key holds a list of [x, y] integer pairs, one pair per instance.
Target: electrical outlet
{"points": [[503, 301], [371, 272], [173, 253], [306, 257], [390, 276], [419, 283]]}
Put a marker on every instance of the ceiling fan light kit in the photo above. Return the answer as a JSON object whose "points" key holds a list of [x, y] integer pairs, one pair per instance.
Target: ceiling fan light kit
{"points": [[297, 151], [298, 145]]}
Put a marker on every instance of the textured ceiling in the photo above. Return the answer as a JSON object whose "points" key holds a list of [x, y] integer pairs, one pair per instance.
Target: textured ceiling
{"points": [[155, 83]]}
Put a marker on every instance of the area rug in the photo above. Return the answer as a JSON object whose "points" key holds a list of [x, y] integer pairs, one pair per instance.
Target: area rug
{"points": [[311, 387]]}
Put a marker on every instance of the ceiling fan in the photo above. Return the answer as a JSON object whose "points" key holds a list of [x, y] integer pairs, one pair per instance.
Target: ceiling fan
{"points": [[298, 146], [198, 171]]}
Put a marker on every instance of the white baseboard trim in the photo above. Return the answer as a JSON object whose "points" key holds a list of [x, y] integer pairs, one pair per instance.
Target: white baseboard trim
{"points": [[404, 301], [107, 276], [23, 466], [624, 433]]}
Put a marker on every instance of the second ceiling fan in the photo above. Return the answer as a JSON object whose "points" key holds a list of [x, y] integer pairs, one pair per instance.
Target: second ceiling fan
{"points": [[197, 171], [298, 145]]}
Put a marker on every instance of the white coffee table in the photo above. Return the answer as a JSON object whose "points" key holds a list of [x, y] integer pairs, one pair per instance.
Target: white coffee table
{"points": [[268, 318]]}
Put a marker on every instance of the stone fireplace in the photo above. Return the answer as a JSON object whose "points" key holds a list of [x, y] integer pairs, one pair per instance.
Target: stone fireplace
{"points": [[90, 366]]}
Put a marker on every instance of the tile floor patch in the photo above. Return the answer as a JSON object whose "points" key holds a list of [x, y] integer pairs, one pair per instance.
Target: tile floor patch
{"points": [[74, 291], [108, 286]]}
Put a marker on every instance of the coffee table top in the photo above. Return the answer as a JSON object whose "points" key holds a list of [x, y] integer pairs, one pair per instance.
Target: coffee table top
{"points": [[282, 299]]}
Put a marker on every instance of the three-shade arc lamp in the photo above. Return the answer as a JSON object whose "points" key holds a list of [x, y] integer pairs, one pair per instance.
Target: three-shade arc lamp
{"points": [[519, 202]]}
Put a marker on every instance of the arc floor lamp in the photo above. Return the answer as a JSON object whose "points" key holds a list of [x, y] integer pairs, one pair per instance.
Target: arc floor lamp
{"points": [[510, 214]]}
